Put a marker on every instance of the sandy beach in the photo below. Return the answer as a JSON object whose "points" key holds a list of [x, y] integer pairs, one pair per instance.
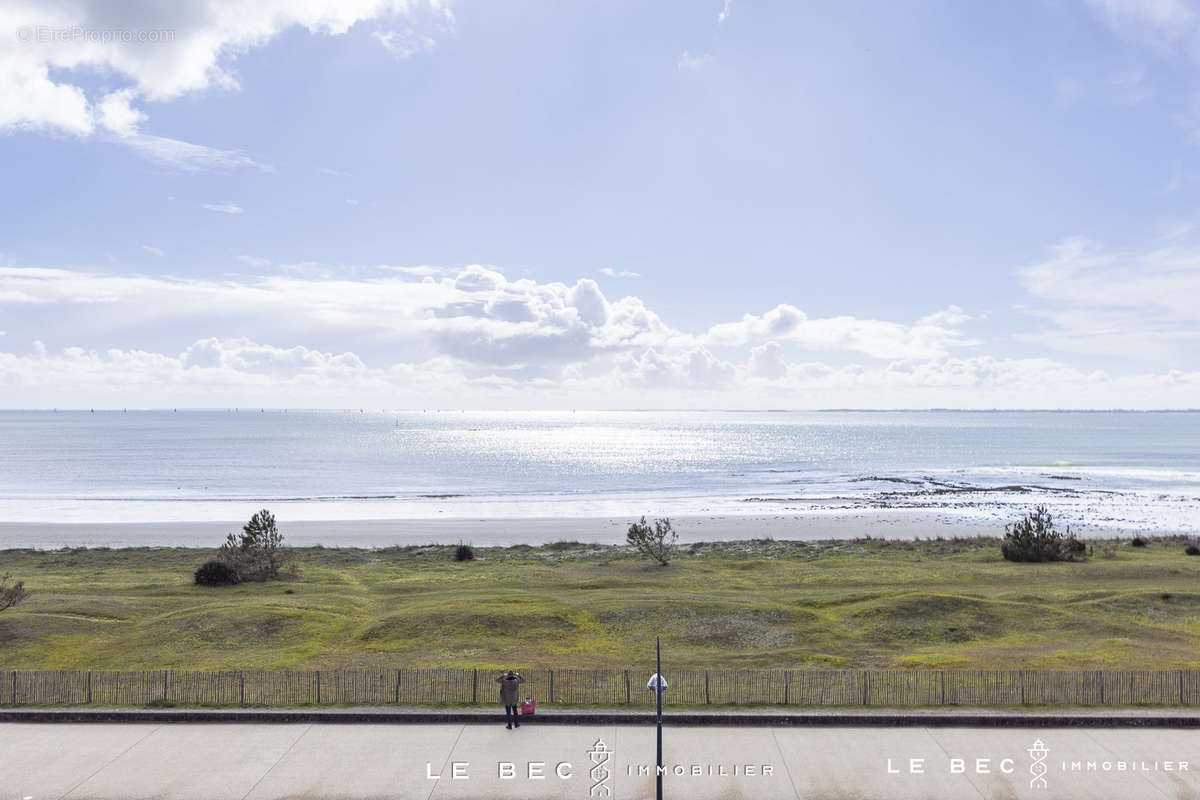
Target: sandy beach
{"points": [[887, 523]]}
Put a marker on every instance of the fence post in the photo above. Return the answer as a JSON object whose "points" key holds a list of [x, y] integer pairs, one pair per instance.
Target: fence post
{"points": [[14, 682], [627, 691], [943, 677], [397, 687], [866, 683], [1021, 675], [242, 692], [1180, 687], [1101, 687], [90, 687], [475, 686], [165, 685], [551, 686], [318, 687]]}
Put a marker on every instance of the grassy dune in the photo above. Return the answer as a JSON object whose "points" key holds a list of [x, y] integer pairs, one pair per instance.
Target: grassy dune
{"points": [[867, 603]]}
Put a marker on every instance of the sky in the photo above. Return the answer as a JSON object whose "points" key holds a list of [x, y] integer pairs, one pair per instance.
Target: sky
{"points": [[515, 204]]}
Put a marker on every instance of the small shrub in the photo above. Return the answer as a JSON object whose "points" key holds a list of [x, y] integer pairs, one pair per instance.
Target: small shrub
{"points": [[12, 595], [258, 554], [1034, 539], [464, 552], [216, 573], [1192, 550], [658, 542], [1166, 596], [1138, 542]]}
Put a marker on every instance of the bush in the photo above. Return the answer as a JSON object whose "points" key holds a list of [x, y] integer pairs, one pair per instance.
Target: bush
{"points": [[216, 573], [658, 542], [259, 553], [1192, 550], [1035, 539], [12, 595], [464, 552], [1138, 542]]}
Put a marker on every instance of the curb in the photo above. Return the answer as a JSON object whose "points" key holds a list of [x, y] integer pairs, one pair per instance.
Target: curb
{"points": [[824, 720]]}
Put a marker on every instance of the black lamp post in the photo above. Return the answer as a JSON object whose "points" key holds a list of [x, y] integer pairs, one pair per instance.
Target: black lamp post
{"points": [[658, 690]]}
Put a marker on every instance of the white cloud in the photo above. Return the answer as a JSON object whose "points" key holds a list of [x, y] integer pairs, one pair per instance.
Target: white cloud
{"points": [[340, 334], [767, 361], [931, 336], [724, 12], [695, 368], [405, 43], [1141, 305], [335, 172], [616, 273], [188, 157], [1156, 20], [475, 314], [52, 49], [116, 113], [688, 62], [223, 208], [243, 355], [156, 251], [254, 261]]}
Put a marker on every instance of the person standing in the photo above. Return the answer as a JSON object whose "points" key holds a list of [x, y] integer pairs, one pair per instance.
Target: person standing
{"points": [[509, 689]]}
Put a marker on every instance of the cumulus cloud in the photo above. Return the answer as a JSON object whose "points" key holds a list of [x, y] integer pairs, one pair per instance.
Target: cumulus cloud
{"points": [[471, 332], [53, 48], [929, 337], [767, 361], [475, 314], [617, 273], [221, 372], [244, 355], [695, 368]]}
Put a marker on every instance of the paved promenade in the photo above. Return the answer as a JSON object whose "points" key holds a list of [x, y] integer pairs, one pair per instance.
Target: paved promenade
{"points": [[256, 761]]}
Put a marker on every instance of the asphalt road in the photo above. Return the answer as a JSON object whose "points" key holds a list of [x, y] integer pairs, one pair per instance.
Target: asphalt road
{"points": [[313, 760]]}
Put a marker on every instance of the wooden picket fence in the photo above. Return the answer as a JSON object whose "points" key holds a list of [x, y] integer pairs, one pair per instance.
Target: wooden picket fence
{"points": [[582, 687]]}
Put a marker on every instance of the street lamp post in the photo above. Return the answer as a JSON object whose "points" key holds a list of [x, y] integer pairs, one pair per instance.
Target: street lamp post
{"points": [[657, 684], [658, 695]]}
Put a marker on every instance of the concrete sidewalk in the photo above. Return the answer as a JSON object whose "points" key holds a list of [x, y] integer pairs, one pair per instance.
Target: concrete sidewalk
{"points": [[1182, 718], [207, 761]]}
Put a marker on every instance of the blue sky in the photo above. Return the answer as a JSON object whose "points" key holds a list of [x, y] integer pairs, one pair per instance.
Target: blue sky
{"points": [[519, 204]]}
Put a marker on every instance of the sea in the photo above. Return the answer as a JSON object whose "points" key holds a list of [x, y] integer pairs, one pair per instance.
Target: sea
{"points": [[1112, 470]]}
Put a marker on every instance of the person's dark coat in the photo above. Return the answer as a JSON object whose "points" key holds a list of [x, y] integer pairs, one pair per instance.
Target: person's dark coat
{"points": [[509, 689]]}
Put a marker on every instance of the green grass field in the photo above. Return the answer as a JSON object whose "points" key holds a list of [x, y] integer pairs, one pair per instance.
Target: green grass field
{"points": [[866, 603]]}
